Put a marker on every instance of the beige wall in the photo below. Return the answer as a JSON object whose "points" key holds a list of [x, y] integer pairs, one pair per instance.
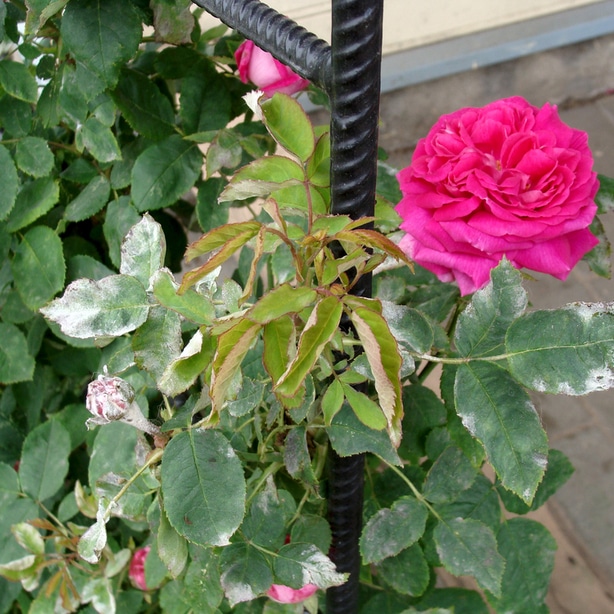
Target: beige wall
{"points": [[411, 23]]}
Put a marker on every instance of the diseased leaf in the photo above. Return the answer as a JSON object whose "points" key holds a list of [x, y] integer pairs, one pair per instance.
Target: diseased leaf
{"points": [[143, 250], [245, 573], [391, 530], [450, 474], [528, 549], [164, 172], [500, 414], [172, 547], [109, 307], [173, 22], [385, 361], [203, 487], [564, 351], [299, 564], [468, 547], [296, 456]]}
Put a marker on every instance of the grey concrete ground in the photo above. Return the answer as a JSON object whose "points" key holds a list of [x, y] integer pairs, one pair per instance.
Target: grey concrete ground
{"points": [[580, 79]]}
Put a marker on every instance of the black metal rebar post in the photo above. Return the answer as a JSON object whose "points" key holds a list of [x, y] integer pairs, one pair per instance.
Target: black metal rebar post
{"points": [[349, 71]]}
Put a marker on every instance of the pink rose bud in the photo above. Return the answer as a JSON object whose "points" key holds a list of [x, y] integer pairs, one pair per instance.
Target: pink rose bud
{"points": [[112, 398], [285, 594], [508, 179], [264, 71], [136, 572]]}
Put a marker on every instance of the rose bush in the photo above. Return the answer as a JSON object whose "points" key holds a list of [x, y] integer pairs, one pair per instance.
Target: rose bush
{"points": [[262, 69], [508, 179]]}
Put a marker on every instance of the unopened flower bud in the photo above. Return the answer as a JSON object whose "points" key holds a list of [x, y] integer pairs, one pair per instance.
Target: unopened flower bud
{"points": [[136, 571], [285, 594], [110, 399]]}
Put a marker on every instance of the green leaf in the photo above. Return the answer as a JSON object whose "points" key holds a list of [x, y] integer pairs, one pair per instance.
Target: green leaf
{"points": [[456, 600], [219, 237], [482, 326], [280, 301], [143, 250], [191, 304], [319, 329], [203, 487], [172, 547], [39, 11], [299, 564], [158, 341], [89, 201], [16, 363], [332, 401], [143, 105], [468, 547], [423, 412], [450, 474], [109, 307], [16, 115], [528, 549], [349, 436], [33, 200], [391, 530], [278, 337], [17, 81], [605, 196], [44, 460], [100, 141], [385, 361], [102, 35], [9, 485], [289, 125], [33, 156], [232, 346], [263, 176], [182, 372], [249, 398], [38, 266], [206, 102], [245, 573], [500, 414], [407, 572], [10, 183], [164, 172], [564, 351], [366, 410]]}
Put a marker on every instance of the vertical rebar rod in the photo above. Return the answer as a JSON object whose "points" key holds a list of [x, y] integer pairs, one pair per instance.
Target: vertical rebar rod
{"points": [[354, 97]]}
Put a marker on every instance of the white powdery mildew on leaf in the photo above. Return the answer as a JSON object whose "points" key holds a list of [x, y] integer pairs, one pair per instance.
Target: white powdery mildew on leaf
{"points": [[597, 379], [318, 569], [238, 593], [586, 311], [468, 422], [541, 460]]}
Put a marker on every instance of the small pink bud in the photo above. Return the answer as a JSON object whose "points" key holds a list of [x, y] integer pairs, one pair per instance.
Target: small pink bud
{"points": [[285, 594], [112, 398], [136, 571]]}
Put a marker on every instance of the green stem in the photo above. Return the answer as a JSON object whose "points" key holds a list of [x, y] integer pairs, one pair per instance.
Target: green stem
{"points": [[154, 458], [270, 470], [460, 360]]}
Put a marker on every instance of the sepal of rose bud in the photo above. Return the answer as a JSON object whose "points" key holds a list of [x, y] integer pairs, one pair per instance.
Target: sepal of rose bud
{"points": [[136, 571], [285, 594]]}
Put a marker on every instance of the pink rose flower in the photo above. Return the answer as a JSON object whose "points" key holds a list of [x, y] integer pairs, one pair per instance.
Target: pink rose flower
{"points": [[267, 73], [136, 572], [285, 594], [507, 179]]}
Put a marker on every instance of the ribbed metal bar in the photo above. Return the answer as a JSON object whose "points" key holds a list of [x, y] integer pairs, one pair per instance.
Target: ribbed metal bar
{"points": [[354, 97], [301, 50]]}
